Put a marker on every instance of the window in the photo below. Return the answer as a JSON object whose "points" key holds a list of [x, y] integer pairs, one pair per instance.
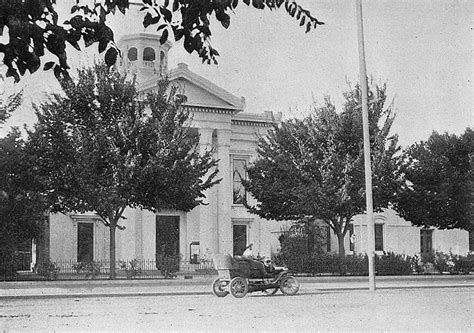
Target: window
{"points": [[378, 237], [132, 54], [85, 242], [167, 235], [148, 54], [351, 238], [162, 61], [239, 238], [471, 240], [426, 243], [323, 236], [239, 174]]}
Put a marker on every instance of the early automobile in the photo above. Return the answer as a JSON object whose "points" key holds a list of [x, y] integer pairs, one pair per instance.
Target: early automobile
{"points": [[238, 277]]}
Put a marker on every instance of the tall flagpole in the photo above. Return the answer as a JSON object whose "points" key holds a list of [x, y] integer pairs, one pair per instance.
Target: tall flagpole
{"points": [[368, 171]]}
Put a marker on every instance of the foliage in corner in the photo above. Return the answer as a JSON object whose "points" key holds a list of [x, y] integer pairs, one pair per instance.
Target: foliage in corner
{"points": [[33, 28]]}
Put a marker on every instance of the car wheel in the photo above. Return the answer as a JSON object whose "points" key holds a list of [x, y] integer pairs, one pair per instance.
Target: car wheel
{"points": [[238, 287], [289, 285], [219, 288]]}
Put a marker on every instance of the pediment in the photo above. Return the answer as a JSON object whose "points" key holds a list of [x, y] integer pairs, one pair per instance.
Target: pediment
{"points": [[199, 91]]}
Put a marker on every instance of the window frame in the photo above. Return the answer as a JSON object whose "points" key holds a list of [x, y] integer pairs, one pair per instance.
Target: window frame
{"points": [[92, 242], [381, 238], [234, 182]]}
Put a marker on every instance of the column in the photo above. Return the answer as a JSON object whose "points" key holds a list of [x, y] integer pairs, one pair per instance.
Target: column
{"points": [[207, 213], [224, 191]]}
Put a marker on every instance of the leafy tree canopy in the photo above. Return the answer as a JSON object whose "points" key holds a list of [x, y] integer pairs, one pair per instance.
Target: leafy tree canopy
{"points": [[22, 205], [9, 104], [103, 148], [33, 27], [439, 191], [314, 168]]}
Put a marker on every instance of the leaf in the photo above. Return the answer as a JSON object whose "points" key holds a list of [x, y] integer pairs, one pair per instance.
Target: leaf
{"points": [[161, 27], [302, 21], [167, 15], [175, 5], [103, 45], [164, 37], [111, 56], [205, 30], [258, 4], [48, 65]]}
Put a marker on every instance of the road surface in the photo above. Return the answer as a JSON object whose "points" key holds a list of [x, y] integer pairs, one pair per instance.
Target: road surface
{"points": [[348, 310]]}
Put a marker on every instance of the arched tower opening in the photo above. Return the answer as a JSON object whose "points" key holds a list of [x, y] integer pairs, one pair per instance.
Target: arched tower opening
{"points": [[144, 55]]}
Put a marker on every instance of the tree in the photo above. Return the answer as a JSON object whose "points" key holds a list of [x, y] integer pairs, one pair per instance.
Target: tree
{"points": [[33, 28], [314, 168], [102, 148], [22, 205], [439, 188], [10, 104]]}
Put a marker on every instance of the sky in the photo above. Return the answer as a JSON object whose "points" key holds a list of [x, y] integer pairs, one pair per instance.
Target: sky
{"points": [[422, 49]]}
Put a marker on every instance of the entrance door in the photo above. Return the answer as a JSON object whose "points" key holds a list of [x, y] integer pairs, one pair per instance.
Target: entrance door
{"points": [[426, 243], [239, 238], [85, 242], [167, 235]]}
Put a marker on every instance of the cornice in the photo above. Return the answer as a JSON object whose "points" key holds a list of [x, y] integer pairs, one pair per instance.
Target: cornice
{"points": [[210, 109], [240, 122]]}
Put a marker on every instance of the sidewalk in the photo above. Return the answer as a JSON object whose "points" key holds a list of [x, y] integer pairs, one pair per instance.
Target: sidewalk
{"points": [[202, 286]]}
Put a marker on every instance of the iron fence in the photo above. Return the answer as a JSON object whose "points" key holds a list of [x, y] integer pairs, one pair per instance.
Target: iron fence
{"points": [[17, 270]]}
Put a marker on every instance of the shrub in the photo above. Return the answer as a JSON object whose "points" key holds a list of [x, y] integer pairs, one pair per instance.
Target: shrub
{"points": [[9, 265], [327, 263], [89, 268], [168, 265], [131, 268], [393, 264], [416, 264], [48, 269], [442, 262], [357, 264], [463, 264]]}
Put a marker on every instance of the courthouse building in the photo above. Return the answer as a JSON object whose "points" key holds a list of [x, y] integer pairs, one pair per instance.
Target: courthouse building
{"points": [[223, 225]]}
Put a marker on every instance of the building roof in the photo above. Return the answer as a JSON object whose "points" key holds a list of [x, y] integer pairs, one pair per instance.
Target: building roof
{"points": [[201, 93]]}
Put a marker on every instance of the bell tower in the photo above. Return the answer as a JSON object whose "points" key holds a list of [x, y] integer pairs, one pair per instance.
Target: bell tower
{"points": [[144, 56]]}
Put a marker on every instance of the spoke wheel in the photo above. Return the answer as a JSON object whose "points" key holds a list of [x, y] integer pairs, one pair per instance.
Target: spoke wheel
{"points": [[219, 288], [270, 292], [238, 287], [289, 285]]}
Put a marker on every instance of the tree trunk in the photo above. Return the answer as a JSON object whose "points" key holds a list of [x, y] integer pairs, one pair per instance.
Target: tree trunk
{"points": [[112, 227], [340, 240]]}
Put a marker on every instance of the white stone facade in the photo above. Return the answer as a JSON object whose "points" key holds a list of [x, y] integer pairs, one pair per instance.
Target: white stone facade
{"points": [[223, 225]]}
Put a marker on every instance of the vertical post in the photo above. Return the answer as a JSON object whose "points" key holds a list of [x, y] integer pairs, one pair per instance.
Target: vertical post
{"points": [[368, 171]]}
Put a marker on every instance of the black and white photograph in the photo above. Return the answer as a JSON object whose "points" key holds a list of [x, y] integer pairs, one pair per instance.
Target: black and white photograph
{"points": [[236, 166]]}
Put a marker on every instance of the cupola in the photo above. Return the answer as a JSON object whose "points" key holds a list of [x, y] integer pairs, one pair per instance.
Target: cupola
{"points": [[143, 55]]}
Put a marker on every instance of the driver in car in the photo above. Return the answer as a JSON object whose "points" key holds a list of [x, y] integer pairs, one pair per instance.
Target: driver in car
{"points": [[248, 255]]}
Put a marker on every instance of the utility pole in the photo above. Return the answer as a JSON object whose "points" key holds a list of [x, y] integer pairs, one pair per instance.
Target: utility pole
{"points": [[368, 170]]}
